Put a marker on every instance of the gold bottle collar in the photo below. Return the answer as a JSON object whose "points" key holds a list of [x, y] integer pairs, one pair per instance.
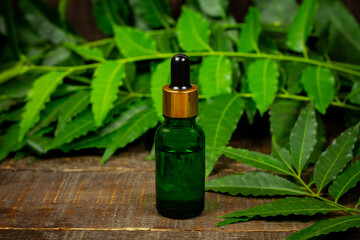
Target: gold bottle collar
{"points": [[180, 103]]}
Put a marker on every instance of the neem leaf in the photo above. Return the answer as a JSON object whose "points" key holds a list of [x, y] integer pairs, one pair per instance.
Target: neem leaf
{"points": [[104, 87], [219, 120], [249, 35], [281, 153], [213, 8], [133, 42], [220, 40], [344, 22], [215, 76], [232, 220], [153, 12], [108, 13], [263, 82], [277, 12], [256, 159], [193, 31], [320, 140], [303, 137], [102, 138], [285, 207], [301, 26], [159, 78], [256, 184], [346, 180], [283, 115], [138, 125], [18, 69], [50, 114], [86, 52], [73, 106], [37, 96], [79, 126], [335, 157], [354, 95], [338, 224], [319, 84], [10, 142], [44, 20]]}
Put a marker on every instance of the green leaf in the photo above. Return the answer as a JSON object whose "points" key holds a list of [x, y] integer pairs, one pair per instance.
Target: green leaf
{"points": [[220, 40], [281, 153], [293, 72], [256, 159], [291, 205], [193, 31], [61, 56], [86, 52], [10, 142], [214, 8], [249, 35], [37, 96], [104, 87], [277, 12], [354, 95], [319, 84], [283, 115], [154, 12], [73, 106], [133, 42], [159, 78], [338, 224], [79, 126], [11, 116], [17, 88], [263, 82], [110, 12], [102, 138], [335, 157], [256, 184], [50, 114], [42, 23], [346, 180], [137, 126], [301, 26], [232, 220], [15, 71], [343, 22], [320, 140], [303, 137], [219, 120], [11, 31], [5, 104], [215, 76]]}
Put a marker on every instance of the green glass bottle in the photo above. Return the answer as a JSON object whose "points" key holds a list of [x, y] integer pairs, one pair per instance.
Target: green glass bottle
{"points": [[179, 144]]}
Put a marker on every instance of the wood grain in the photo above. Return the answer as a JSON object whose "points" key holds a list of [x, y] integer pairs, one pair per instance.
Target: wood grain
{"points": [[76, 198]]}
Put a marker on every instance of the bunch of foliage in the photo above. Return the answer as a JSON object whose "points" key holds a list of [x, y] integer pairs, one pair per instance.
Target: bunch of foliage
{"points": [[59, 92], [302, 151]]}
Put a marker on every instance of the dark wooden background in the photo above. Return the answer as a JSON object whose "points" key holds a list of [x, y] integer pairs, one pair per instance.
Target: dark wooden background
{"points": [[80, 16]]}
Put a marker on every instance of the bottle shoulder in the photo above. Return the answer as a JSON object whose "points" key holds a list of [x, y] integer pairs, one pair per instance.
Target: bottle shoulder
{"points": [[180, 138], [195, 129]]}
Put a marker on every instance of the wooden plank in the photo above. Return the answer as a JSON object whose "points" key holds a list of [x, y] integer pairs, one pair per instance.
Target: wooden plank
{"points": [[77, 198]]}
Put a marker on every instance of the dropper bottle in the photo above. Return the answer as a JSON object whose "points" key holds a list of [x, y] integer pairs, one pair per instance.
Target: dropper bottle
{"points": [[179, 145]]}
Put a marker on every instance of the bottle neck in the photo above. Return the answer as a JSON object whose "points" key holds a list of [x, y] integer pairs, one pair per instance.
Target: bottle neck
{"points": [[180, 122]]}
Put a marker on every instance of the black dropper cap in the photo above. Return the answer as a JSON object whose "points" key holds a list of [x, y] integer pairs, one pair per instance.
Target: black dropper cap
{"points": [[180, 72]]}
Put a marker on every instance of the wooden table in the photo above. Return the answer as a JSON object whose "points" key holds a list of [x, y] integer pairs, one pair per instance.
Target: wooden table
{"points": [[76, 198]]}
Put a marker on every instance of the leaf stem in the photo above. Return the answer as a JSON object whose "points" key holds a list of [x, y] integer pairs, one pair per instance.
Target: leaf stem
{"points": [[342, 207], [332, 66]]}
